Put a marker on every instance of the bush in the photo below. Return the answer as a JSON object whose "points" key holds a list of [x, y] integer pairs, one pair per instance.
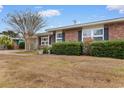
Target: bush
{"points": [[46, 50], [7, 42], [21, 45], [113, 49], [10, 46], [67, 48]]}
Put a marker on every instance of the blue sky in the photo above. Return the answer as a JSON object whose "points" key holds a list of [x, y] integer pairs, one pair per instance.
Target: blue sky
{"points": [[64, 15]]}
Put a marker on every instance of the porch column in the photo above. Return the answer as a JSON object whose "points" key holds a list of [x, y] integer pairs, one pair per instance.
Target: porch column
{"points": [[48, 39]]}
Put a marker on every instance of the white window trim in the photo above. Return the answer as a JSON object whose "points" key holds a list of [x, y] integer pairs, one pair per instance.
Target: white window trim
{"points": [[57, 34], [92, 34], [86, 31], [99, 35], [45, 41]]}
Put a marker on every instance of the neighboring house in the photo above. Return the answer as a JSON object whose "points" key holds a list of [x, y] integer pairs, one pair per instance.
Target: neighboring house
{"points": [[112, 29], [15, 40], [1, 35]]}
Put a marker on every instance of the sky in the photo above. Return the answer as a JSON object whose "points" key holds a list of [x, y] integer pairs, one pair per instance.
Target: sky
{"points": [[62, 15]]}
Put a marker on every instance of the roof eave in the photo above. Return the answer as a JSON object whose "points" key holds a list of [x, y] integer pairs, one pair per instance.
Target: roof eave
{"points": [[87, 24]]}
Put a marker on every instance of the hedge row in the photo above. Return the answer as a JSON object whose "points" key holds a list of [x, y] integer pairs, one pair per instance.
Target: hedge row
{"points": [[67, 48], [113, 49]]}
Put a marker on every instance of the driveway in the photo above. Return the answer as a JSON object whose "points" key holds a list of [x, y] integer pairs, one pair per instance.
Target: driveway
{"points": [[12, 52]]}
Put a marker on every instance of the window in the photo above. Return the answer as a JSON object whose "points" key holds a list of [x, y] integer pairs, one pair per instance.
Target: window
{"points": [[97, 38], [95, 34], [59, 37], [44, 40], [98, 34], [87, 33]]}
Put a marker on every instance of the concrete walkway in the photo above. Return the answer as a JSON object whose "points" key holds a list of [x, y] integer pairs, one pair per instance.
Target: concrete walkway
{"points": [[11, 52]]}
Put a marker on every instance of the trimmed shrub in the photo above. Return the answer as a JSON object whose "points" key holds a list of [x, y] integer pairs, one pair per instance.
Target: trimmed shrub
{"points": [[21, 45], [113, 49], [67, 48]]}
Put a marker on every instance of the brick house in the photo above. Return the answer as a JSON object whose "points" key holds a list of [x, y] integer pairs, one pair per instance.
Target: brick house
{"points": [[112, 29]]}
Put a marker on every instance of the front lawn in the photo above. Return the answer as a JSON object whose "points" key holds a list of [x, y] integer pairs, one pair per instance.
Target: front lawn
{"points": [[27, 52], [60, 71]]}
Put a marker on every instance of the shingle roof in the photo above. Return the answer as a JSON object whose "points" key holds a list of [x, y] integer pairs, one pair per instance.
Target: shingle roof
{"points": [[88, 24], [43, 33]]}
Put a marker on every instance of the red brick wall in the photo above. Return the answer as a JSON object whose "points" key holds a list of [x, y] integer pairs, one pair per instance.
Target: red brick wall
{"points": [[71, 34], [116, 31]]}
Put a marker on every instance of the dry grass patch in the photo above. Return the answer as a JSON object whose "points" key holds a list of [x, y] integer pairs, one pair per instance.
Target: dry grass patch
{"points": [[27, 52], [60, 71]]}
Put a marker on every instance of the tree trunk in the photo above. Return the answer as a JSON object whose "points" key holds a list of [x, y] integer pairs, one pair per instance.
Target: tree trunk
{"points": [[26, 45], [29, 45], [29, 42]]}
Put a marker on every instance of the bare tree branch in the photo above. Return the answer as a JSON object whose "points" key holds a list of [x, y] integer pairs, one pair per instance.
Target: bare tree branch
{"points": [[27, 23]]}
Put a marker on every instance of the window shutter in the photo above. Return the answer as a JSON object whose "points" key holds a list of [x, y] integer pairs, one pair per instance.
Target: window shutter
{"points": [[106, 34], [39, 40], [54, 37], [63, 36], [50, 40], [80, 35]]}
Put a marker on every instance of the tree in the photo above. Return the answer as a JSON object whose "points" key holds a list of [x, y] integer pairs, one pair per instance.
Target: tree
{"points": [[10, 33], [6, 41], [27, 24]]}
